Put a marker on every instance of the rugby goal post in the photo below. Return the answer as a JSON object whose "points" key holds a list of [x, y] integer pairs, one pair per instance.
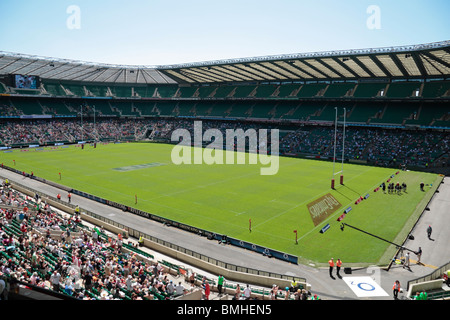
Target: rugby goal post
{"points": [[341, 172]]}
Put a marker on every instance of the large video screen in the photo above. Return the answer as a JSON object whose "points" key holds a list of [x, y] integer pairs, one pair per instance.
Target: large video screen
{"points": [[25, 82]]}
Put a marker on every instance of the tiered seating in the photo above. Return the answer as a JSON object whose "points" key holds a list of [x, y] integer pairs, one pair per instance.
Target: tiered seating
{"points": [[223, 91], [311, 90], [147, 108], [205, 92], [54, 89], [402, 89], [97, 90], [287, 90], [203, 109], [2, 88], [220, 109], [436, 89], [432, 114], [283, 108], [263, 110], [337, 90], [28, 106], [76, 90], [103, 107], [167, 91], [27, 91], [121, 91], [125, 107], [396, 113], [265, 91], [441, 123], [368, 90], [361, 112], [145, 92], [302, 112], [56, 107], [241, 110], [186, 108], [243, 91], [327, 113], [166, 107], [187, 92]]}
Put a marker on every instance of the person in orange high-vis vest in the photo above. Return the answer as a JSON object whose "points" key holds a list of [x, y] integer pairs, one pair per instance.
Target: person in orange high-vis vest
{"points": [[338, 267], [396, 289], [331, 263]]}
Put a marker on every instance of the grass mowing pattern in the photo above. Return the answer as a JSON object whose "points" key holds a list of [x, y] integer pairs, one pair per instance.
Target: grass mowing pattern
{"points": [[222, 198]]}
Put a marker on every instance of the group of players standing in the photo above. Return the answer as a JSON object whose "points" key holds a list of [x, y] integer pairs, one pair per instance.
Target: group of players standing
{"points": [[394, 188]]}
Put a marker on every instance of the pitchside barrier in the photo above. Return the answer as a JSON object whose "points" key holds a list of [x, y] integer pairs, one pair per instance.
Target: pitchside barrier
{"points": [[201, 232]]}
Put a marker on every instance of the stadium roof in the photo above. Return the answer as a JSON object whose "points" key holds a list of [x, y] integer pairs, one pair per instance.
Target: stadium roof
{"points": [[64, 69], [416, 61]]}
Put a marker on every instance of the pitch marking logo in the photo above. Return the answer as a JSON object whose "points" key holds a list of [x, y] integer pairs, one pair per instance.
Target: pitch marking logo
{"points": [[365, 287]]}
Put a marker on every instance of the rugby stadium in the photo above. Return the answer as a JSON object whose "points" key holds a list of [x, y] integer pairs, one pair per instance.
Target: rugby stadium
{"points": [[362, 150]]}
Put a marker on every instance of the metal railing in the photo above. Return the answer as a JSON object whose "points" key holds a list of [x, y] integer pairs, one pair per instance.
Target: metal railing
{"points": [[436, 274]]}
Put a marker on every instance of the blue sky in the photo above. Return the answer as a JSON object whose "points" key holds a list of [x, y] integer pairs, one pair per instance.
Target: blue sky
{"points": [[153, 32]]}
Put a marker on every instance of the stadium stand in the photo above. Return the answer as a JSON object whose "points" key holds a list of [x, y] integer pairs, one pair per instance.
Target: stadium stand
{"points": [[403, 89], [338, 90], [436, 89], [311, 90], [368, 90]]}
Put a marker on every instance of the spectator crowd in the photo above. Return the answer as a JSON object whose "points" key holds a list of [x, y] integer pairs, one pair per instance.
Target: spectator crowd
{"points": [[376, 146], [45, 248]]}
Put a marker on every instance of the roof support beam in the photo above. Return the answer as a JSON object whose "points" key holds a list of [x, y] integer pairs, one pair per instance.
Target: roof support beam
{"points": [[56, 68], [419, 64], [215, 72], [271, 68], [380, 65], [399, 65], [67, 77], [8, 64], [174, 76], [292, 64], [432, 62], [230, 72], [249, 69], [363, 66], [272, 77], [433, 57], [146, 73], [39, 67], [326, 65], [196, 75], [238, 68], [24, 66], [263, 67], [315, 69], [204, 75], [99, 74]]}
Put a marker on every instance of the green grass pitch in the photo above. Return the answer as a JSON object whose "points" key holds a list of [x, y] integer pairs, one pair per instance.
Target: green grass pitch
{"points": [[222, 198]]}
